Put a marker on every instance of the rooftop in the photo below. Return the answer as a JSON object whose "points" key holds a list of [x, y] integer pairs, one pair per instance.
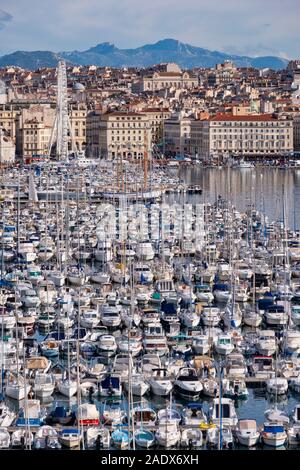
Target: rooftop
{"points": [[251, 117]]}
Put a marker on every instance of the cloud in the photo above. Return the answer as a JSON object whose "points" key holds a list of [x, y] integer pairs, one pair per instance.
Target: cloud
{"points": [[57, 25], [4, 18], [255, 50]]}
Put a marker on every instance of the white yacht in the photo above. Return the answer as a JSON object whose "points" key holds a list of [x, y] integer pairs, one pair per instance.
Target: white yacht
{"points": [[187, 384], [168, 434], [266, 343], [160, 382], [145, 251], [110, 316], [229, 416], [155, 340], [247, 433], [106, 345], [211, 316], [223, 344]]}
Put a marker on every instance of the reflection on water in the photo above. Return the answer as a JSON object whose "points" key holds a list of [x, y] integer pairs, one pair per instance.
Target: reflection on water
{"points": [[261, 186]]}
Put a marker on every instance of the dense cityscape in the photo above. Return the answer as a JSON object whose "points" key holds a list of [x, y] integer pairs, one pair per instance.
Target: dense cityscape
{"points": [[201, 114]]}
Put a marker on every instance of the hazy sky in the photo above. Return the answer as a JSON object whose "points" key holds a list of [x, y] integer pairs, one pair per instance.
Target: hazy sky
{"points": [[249, 27]]}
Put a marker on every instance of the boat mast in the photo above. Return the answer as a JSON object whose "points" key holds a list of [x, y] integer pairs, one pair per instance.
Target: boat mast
{"points": [[27, 423], [220, 444]]}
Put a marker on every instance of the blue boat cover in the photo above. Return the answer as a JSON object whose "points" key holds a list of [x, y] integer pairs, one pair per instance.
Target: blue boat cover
{"points": [[110, 382], [223, 287], [70, 431], [273, 429], [195, 406]]}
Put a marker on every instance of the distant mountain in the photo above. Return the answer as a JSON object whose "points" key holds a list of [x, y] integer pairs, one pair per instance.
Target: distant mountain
{"points": [[166, 50], [30, 60]]}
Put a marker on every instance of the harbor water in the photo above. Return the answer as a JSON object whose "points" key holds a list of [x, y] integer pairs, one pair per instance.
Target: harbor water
{"points": [[261, 186]]}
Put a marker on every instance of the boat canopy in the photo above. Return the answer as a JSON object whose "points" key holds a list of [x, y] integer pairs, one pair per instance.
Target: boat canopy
{"points": [[222, 287], [273, 428], [194, 406]]}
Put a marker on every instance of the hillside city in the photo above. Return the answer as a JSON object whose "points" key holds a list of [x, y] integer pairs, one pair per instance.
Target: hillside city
{"points": [[200, 114]]}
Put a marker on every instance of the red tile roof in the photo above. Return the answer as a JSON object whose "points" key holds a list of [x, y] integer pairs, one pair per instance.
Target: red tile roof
{"points": [[252, 117]]}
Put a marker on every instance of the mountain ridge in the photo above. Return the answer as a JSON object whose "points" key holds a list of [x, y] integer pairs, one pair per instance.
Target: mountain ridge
{"points": [[165, 50]]}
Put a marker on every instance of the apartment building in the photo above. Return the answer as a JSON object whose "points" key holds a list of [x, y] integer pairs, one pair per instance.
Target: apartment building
{"points": [[9, 119], [93, 133], [124, 133], [7, 149], [250, 135], [34, 130], [177, 130], [78, 117], [156, 118], [296, 125]]}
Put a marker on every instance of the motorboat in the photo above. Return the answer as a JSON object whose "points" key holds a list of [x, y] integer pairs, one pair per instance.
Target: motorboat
{"points": [[213, 437], [121, 438], [143, 274], [113, 414], [235, 389], [193, 415], [44, 385], [277, 385], [22, 438], [210, 316], [222, 293], [191, 438], [110, 316], [46, 437], [229, 416], [15, 387], [252, 318], [262, 367], [67, 387], [190, 318], [111, 386], [4, 438], [203, 293], [89, 318], [210, 388], [201, 344], [138, 385], [106, 345], [160, 383], [274, 434], [155, 340], [290, 342], [235, 365], [144, 415], [88, 415], [223, 344], [187, 384], [276, 315], [247, 433], [144, 438], [168, 434], [266, 343], [97, 438], [70, 437]]}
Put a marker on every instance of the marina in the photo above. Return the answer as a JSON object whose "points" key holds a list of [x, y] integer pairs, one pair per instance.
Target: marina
{"points": [[129, 322]]}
